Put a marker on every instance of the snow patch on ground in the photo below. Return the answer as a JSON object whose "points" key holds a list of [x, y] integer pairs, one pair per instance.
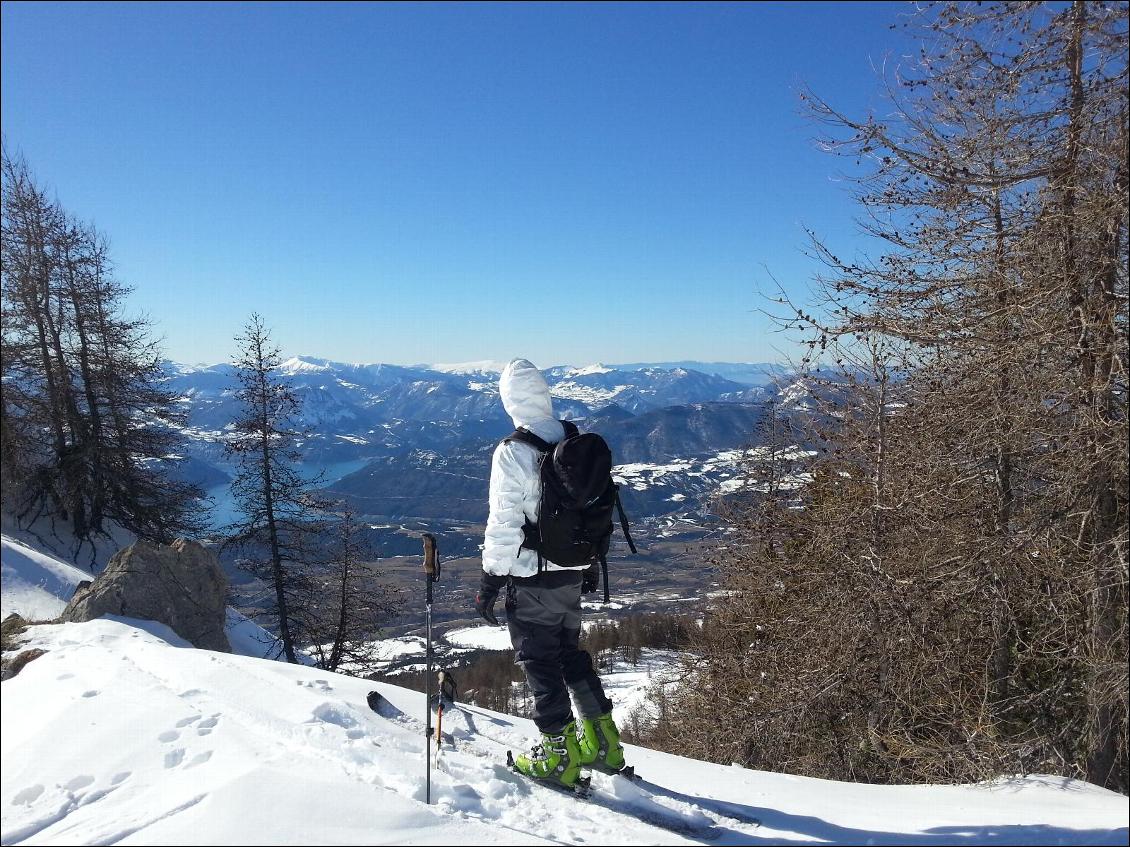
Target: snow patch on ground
{"points": [[725, 471], [247, 638], [353, 439], [391, 649], [627, 685], [480, 637], [590, 395], [34, 583], [37, 586]]}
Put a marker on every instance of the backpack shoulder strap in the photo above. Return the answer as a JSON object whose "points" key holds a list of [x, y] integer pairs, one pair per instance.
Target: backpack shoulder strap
{"points": [[623, 520], [524, 436]]}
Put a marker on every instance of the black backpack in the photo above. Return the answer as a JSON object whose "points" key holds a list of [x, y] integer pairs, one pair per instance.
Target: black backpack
{"points": [[578, 496]]}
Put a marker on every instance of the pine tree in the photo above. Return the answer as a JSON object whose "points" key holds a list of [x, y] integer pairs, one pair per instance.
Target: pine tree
{"points": [[353, 602], [281, 512], [88, 429]]}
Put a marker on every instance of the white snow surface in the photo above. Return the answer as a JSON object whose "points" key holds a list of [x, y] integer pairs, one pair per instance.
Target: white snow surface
{"points": [[628, 686], [304, 365], [485, 366], [123, 734], [592, 395], [34, 584], [37, 585], [480, 637], [589, 370]]}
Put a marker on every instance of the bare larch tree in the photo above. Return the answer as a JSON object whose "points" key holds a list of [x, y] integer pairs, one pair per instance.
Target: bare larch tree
{"points": [[90, 434], [281, 512]]}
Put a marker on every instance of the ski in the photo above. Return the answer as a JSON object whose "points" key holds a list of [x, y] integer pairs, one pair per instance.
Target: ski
{"points": [[381, 706], [581, 789], [658, 815], [668, 820], [723, 809]]}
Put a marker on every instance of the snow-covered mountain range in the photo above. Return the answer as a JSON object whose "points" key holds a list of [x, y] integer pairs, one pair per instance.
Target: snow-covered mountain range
{"points": [[368, 401], [415, 441]]}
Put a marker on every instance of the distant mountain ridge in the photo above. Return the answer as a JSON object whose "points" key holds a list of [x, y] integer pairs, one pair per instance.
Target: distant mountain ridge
{"points": [[359, 399], [746, 373], [415, 441]]}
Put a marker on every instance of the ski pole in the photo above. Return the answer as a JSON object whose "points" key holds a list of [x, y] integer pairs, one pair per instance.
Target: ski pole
{"points": [[439, 729], [439, 715], [431, 574]]}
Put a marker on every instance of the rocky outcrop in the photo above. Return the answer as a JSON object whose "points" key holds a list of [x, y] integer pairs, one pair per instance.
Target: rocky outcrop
{"points": [[181, 585], [11, 629], [10, 667], [11, 634]]}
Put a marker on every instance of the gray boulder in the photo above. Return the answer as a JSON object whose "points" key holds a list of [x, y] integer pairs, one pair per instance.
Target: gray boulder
{"points": [[181, 585]]}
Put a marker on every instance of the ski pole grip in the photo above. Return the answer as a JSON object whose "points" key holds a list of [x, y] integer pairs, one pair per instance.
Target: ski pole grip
{"points": [[430, 555]]}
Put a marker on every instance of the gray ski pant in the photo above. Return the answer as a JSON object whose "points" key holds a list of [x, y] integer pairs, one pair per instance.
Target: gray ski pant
{"points": [[543, 614]]}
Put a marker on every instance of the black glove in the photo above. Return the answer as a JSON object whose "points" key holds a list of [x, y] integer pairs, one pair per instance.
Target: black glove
{"points": [[589, 579], [488, 593]]}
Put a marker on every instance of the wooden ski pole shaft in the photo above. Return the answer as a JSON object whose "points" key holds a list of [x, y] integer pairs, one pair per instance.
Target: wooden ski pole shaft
{"points": [[439, 727], [431, 574]]}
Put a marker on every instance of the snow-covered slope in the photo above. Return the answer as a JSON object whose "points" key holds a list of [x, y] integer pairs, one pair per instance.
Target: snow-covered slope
{"points": [[122, 733], [37, 585], [34, 584]]}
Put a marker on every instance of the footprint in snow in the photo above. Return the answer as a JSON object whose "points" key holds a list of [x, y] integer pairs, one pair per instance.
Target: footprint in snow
{"points": [[27, 796], [183, 722], [331, 713], [464, 798], [174, 757], [207, 725], [168, 735], [80, 781], [199, 759], [91, 693]]}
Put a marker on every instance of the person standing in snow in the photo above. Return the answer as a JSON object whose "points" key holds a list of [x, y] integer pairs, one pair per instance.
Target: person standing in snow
{"points": [[543, 608]]}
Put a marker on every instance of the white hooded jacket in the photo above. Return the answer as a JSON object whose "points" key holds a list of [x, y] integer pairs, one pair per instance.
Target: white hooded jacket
{"points": [[515, 487]]}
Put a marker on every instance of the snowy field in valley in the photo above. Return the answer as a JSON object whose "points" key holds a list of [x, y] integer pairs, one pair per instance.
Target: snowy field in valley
{"points": [[480, 637], [625, 684], [122, 733]]}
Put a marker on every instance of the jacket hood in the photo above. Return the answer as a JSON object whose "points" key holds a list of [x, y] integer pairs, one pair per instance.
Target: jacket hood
{"points": [[525, 395]]}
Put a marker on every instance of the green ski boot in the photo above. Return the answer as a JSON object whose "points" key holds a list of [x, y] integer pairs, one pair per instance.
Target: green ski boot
{"points": [[557, 759], [600, 746]]}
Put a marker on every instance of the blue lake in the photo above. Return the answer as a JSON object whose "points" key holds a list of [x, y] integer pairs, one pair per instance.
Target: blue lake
{"points": [[223, 507]]}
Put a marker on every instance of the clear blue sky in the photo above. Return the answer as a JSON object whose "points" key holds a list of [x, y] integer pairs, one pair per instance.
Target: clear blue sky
{"points": [[435, 183]]}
